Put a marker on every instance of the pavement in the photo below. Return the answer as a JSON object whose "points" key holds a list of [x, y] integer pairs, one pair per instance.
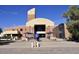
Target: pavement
{"points": [[51, 47]]}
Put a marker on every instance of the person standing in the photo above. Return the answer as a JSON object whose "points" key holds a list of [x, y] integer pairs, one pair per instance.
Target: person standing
{"points": [[37, 36]]}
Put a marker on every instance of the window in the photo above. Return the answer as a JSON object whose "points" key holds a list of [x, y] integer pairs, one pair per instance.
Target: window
{"points": [[21, 29], [39, 27]]}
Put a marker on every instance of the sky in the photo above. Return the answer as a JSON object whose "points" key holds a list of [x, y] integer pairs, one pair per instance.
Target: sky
{"points": [[16, 15]]}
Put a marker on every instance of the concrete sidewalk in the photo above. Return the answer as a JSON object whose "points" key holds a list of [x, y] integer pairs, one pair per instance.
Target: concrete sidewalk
{"points": [[23, 47], [24, 44]]}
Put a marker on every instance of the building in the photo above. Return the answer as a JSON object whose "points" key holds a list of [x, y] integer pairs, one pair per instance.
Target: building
{"points": [[44, 27], [61, 31]]}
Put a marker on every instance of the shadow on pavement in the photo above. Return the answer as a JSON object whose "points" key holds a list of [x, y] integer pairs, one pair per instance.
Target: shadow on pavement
{"points": [[6, 42]]}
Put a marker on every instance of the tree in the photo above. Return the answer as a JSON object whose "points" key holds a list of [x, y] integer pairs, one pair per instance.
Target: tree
{"points": [[72, 17], [0, 30]]}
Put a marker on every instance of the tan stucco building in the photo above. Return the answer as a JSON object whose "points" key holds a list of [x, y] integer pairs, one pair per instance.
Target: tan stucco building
{"points": [[44, 27]]}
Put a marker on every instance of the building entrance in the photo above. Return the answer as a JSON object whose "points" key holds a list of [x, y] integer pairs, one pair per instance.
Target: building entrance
{"points": [[40, 29]]}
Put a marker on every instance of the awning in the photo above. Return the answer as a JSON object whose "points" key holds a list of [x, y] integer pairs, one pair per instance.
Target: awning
{"points": [[41, 32], [9, 32]]}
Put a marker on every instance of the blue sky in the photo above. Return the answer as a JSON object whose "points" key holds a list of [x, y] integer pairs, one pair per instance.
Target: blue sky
{"points": [[12, 15]]}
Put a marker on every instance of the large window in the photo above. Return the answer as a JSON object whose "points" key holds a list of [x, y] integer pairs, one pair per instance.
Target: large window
{"points": [[39, 27]]}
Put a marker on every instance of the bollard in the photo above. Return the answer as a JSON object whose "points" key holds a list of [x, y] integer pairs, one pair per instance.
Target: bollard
{"points": [[35, 44], [38, 44], [32, 45]]}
